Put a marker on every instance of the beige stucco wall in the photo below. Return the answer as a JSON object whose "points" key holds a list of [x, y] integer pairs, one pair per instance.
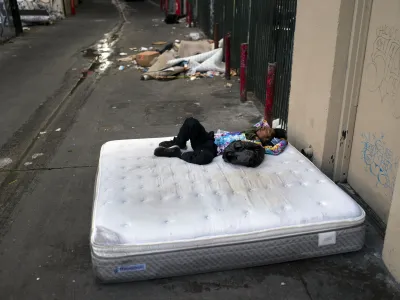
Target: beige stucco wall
{"points": [[391, 250], [376, 144], [312, 71], [321, 45], [332, 76]]}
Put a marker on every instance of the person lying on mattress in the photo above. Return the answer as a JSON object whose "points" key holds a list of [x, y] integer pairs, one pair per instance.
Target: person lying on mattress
{"points": [[207, 145]]}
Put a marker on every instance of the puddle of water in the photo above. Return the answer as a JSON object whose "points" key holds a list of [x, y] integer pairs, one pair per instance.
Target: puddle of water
{"points": [[101, 54], [90, 53]]}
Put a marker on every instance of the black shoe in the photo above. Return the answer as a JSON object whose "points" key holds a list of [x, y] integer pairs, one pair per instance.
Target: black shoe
{"points": [[172, 143], [168, 152]]}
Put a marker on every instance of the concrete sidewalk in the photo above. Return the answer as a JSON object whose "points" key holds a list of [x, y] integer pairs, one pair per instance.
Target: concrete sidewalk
{"points": [[46, 211]]}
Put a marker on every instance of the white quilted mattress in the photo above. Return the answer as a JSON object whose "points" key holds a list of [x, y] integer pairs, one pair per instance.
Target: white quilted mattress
{"points": [[144, 204]]}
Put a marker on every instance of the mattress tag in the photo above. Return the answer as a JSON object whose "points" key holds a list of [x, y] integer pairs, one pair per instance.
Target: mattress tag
{"points": [[132, 268], [326, 238]]}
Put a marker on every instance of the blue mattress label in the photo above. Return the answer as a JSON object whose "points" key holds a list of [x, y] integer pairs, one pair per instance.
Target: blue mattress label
{"points": [[132, 268]]}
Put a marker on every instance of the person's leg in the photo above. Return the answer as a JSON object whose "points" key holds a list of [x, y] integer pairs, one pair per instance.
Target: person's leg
{"points": [[190, 130], [204, 154], [198, 157]]}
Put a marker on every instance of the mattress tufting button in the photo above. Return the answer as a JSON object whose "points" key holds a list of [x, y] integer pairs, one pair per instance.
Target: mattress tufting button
{"points": [[166, 222], [141, 186], [321, 181], [125, 225], [301, 160], [303, 183], [322, 203], [207, 217]]}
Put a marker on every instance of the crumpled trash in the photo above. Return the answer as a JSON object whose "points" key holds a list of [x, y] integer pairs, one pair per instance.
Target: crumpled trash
{"points": [[171, 63], [166, 74], [195, 36], [209, 61], [190, 48], [128, 58], [167, 47], [159, 43]]}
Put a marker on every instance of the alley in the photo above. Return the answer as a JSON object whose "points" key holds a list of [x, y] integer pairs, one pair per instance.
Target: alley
{"points": [[57, 108]]}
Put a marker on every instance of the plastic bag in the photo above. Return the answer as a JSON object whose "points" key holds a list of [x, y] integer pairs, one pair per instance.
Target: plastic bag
{"points": [[244, 153]]}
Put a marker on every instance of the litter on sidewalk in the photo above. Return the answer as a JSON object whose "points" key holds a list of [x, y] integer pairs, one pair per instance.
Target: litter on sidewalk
{"points": [[145, 59], [179, 59]]}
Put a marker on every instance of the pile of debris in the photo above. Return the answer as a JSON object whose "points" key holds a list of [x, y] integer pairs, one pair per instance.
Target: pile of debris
{"points": [[180, 59]]}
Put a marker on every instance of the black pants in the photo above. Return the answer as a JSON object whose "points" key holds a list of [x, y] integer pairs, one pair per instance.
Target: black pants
{"points": [[204, 149]]}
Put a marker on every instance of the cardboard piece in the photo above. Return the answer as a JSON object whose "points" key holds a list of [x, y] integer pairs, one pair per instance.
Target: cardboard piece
{"points": [[190, 48], [145, 59]]}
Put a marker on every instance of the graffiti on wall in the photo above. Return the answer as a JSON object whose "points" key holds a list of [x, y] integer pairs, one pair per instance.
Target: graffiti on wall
{"points": [[383, 72], [379, 161]]}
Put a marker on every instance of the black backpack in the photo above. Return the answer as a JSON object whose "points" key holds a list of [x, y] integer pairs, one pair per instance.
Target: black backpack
{"points": [[243, 153]]}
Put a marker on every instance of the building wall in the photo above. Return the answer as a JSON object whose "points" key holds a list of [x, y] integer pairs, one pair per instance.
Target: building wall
{"points": [[321, 29], [391, 250], [345, 94], [376, 145]]}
